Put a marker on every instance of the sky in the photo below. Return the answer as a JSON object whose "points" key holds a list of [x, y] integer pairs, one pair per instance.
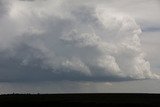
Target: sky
{"points": [[49, 46]]}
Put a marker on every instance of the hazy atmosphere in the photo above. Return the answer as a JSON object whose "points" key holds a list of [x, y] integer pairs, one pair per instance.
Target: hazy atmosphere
{"points": [[76, 46]]}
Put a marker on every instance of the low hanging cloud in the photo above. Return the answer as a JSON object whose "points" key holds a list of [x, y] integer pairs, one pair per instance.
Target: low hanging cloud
{"points": [[58, 40]]}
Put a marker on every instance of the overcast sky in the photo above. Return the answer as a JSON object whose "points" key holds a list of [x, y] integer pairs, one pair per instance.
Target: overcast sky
{"points": [[68, 45]]}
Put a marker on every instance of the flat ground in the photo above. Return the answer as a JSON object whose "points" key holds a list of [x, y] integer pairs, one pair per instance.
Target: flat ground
{"points": [[81, 99]]}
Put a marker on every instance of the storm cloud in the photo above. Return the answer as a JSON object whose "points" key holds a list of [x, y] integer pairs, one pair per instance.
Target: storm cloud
{"points": [[64, 40]]}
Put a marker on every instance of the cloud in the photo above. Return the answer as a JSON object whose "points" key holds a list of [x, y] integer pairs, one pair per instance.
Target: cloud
{"points": [[42, 40]]}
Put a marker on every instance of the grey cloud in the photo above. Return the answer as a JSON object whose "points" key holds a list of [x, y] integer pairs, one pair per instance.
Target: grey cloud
{"points": [[150, 29], [77, 42]]}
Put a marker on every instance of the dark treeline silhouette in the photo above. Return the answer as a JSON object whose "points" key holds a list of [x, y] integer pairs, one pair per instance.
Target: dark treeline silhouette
{"points": [[81, 99]]}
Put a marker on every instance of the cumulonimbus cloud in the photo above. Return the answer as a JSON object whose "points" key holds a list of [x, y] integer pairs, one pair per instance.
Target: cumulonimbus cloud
{"points": [[58, 40]]}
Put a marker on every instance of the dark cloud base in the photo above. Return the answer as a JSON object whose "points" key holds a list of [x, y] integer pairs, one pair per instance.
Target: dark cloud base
{"points": [[12, 69]]}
